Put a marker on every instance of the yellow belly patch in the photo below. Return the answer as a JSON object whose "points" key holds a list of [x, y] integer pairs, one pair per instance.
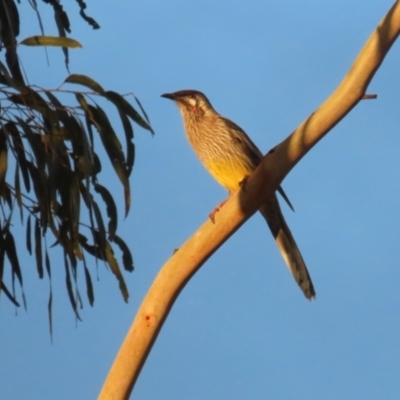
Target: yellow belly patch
{"points": [[228, 174]]}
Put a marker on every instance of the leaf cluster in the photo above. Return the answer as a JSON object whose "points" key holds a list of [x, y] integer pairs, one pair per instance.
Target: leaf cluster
{"points": [[55, 176], [10, 27], [50, 171]]}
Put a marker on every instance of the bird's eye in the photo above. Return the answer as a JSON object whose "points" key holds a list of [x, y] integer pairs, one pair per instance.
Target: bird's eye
{"points": [[191, 96]]}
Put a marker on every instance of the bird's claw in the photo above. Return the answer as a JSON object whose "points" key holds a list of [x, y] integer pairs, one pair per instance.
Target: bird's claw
{"points": [[213, 212], [242, 183]]}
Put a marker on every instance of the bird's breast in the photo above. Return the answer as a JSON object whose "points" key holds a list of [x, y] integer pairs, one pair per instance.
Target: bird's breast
{"points": [[226, 160]]}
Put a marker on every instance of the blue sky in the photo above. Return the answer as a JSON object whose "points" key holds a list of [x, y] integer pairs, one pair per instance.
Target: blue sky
{"points": [[241, 328]]}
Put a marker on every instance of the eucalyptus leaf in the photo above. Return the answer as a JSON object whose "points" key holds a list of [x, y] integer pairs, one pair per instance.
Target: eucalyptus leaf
{"points": [[51, 41]]}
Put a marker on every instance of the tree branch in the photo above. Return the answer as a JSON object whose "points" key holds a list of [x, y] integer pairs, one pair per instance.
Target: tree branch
{"points": [[260, 186]]}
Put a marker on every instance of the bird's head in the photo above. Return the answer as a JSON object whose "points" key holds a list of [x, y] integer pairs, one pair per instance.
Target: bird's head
{"points": [[191, 102]]}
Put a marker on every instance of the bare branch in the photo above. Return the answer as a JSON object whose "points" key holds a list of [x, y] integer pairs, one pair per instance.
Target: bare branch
{"points": [[264, 181]]}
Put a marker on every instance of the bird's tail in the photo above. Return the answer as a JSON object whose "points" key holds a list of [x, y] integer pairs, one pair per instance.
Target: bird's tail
{"points": [[290, 252]]}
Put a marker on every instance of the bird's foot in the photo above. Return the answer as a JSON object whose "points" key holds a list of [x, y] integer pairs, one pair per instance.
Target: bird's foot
{"points": [[216, 209], [242, 183]]}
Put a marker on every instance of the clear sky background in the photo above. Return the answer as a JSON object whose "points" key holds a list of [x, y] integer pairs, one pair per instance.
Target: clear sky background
{"points": [[241, 329]]}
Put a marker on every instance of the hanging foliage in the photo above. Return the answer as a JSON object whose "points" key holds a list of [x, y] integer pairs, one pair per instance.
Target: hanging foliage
{"points": [[50, 171]]}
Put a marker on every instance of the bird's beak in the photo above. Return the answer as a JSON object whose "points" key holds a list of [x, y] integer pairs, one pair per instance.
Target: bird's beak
{"points": [[170, 96]]}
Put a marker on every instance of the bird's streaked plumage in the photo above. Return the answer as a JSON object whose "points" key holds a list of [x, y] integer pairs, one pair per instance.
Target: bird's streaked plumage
{"points": [[230, 156]]}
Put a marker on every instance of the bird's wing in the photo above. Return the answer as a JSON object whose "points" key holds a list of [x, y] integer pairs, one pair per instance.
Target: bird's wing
{"points": [[284, 196], [240, 137]]}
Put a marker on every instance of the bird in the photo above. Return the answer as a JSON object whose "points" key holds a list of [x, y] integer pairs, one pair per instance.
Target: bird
{"points": [[230, 156]]}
